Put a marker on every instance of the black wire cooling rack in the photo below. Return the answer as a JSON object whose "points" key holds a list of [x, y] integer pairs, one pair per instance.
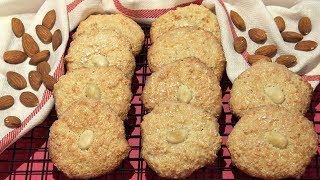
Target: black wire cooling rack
{"points": [[28, 158]]}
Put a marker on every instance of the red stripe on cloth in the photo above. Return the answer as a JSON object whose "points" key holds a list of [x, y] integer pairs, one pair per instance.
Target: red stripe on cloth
{"points": [[148, 13], [7, 139], [311, 77], [73, 5]]}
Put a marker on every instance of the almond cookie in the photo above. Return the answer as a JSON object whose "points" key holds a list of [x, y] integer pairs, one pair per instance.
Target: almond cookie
{"points": [[123, 25], [88, 140], [183, 81], [266, 83], [187, 42], [109, 85], [101, 50], [272, 143], [192, 15], [178, 139]]}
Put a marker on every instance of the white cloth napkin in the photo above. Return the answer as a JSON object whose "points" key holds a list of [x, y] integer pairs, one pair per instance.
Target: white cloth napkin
{"points": [[256, 13]]}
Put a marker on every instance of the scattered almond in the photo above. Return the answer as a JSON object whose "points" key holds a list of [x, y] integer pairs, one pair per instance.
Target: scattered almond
{"points": [[14, 56], [280, 23], [16, 80], [240, 44], [29, 99], [268, 50], [305, 25], [287, 60], [12, 122], [29, 45], [40, 57], [6, 102], [17, 27], [35, 80], [237, 21], [43, 68], [258, 35], [290, 36], [49, 19], [49, 81], [56, 39], [306, 45], [255, 58], [44, 34]]}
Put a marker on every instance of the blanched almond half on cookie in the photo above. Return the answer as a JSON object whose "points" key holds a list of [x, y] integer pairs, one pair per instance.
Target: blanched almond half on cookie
{"points": [[177, 136]]}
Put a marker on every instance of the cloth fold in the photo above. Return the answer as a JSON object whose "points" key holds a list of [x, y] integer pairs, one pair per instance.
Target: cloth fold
{"points": [[70, 13]]}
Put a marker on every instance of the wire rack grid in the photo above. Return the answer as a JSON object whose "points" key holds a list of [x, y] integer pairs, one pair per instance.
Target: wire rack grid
{"points": [[28, 158]]}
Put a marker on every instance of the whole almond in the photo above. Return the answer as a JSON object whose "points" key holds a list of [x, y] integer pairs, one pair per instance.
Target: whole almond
{"points": [[290, 36], [12, 122], [255, 58], [40, 57], [29, 99], [268, 50], [280, 23], [287, 60], [56, 39], [6, 102], [17, 27], [306, 45], [237, 21], [14, 56], [49, 81], [44, 34], [16, 80], [49, 19], [305, 25], [43, 68], [240, 44], [258, 35], [35, 80], [29, 45]]}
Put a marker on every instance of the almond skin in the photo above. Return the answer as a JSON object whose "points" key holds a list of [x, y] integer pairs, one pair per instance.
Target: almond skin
{"points": [[35, 80], [43, 34], [40, 57], [268, 50], [49, 19], [306, 45], [287, 60], [6, 102], [280, 23], [56, 39], [17, 27], [255, 58], [49, 81], [305, 25], [29, 45], [16, 80], [257, 35], [12, 122], [43, 68], [237, 21], [240, 44], [290, 36], [14, 56], [29, 99]]}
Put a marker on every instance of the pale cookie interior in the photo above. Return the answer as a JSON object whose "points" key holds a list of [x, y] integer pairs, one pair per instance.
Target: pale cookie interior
{"points": [[185, 94], [275, 93], [85, 139], [93, 91], [177, 136], [277, 140]]}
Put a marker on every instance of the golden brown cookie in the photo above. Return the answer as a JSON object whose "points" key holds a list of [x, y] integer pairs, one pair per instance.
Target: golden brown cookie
{"points": [[186, 42], [178, 139], [265, 84], [88, 140], [272, 143], [187, 81]]}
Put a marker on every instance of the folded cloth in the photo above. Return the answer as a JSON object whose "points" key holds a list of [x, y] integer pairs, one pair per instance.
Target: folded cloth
{"points": [[256, 13]]}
